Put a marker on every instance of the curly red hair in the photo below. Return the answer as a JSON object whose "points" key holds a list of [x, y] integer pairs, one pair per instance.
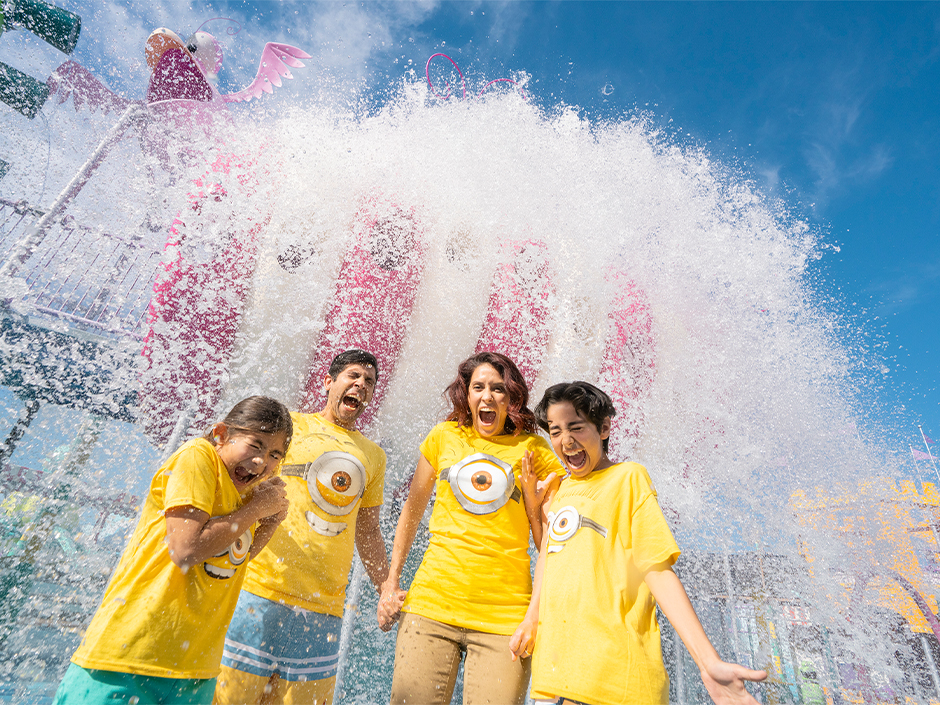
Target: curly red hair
{"points": [[518, 417]]}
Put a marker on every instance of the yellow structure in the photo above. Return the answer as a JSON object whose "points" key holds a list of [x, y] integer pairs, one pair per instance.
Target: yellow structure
{"points": [[887, 534]]}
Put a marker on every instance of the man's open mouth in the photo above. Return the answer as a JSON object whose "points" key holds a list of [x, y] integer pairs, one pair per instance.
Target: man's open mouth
{"points": [[352, 403]]}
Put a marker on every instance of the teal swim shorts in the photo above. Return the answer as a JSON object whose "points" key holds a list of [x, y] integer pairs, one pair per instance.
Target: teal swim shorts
{"points": [[83, 686]]}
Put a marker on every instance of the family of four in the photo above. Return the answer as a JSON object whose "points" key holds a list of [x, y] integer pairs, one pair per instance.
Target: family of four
{"points": [[232, 586]]}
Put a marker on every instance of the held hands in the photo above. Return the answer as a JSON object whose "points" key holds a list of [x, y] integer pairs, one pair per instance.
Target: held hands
{"points": [[725, 682], [270, 499], [391, 600], [522, 642]]}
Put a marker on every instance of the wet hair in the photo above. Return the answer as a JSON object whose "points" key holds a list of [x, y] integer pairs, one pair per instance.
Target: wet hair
{"points": [[353, 357], [589, 401], [519, 416], [258, 415]]}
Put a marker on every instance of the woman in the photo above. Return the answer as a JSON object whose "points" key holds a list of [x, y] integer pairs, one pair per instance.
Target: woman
{"points": [[474, 585]]}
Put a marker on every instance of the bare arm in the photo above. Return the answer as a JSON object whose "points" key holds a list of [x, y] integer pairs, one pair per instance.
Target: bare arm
{"points": [[265, 531], [392, 597], [522, 641], [723, 681], [193, 536], [371, 545]]}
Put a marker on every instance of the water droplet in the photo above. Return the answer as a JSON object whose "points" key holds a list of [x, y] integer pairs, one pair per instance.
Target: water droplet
{"points": [[607, 89]]}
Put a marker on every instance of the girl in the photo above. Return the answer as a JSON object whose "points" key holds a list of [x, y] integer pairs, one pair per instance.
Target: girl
{"points": [[474, 584], [157, 636]]}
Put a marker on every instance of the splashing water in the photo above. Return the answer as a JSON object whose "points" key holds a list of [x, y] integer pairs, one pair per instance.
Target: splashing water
{"points": [[735, 383]]}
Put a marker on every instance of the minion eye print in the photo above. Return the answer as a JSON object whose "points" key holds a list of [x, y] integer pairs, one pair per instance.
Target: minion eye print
{"points": [[336, 480], [564, 524], [222, 566], [481, 483]]}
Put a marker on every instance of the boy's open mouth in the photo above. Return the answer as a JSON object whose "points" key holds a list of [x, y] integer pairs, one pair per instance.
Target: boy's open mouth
{"points": [[487, 417], [577, 460]]}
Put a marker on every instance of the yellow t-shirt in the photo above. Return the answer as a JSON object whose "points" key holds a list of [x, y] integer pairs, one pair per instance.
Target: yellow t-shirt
{"points": [[154, 620], [598, 639], [475, 573], [306, 563]]}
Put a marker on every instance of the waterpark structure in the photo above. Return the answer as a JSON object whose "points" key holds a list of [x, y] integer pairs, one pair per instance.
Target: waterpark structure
{"points": [[245, 247]]}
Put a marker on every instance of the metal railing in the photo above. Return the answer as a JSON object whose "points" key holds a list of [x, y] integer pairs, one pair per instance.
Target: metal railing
{"points": [[89, 278]]}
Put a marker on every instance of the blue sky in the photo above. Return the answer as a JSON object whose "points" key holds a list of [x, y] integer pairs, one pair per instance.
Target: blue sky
{"points": [[831, 107]]}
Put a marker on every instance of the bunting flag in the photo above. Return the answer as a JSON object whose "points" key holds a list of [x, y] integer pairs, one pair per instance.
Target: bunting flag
{"points": [[920, 455]]}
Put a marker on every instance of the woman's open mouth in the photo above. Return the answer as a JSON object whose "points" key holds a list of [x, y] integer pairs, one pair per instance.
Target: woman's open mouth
{"points": [[487, 417]]}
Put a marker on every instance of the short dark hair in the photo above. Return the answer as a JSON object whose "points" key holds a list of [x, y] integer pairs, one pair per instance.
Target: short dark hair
{"points": [[589, 401], [518, 416], [258, 415], [353, 357]]}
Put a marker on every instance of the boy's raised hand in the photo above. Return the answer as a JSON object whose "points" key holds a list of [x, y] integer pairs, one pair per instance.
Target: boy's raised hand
{"points": [[725, 682], [533, 488]]}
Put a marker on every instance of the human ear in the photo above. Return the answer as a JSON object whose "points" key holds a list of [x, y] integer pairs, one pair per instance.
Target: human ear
{"points": [[327, 382], [605, 428], [220, 434]]}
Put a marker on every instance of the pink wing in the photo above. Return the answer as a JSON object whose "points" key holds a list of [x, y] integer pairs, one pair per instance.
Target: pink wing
{"points": [[275, 58], [72, 79]]}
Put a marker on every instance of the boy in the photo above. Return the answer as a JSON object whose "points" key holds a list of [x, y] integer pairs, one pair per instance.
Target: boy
{"points": [[604, 565]]}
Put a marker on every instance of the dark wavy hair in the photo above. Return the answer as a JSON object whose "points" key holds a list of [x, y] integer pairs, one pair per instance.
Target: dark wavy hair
{"points": [[258, 415], [519, 416], [592, 403]]}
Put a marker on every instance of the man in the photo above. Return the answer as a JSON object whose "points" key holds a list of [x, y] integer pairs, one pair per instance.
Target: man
{"points": [[283, 643]]}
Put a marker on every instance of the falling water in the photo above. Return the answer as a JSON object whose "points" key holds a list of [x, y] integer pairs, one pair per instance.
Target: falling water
{"points": [[740, 392]]}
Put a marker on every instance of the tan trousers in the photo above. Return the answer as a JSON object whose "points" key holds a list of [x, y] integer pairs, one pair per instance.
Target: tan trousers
{"points": [[428, 654]]}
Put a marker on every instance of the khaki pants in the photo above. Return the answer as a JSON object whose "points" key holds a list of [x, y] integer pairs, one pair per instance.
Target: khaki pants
{"points": [[428, 654]]}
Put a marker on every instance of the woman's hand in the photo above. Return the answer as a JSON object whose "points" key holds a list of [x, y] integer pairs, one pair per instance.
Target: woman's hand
{"points": [[522, 642], [391, 599]]}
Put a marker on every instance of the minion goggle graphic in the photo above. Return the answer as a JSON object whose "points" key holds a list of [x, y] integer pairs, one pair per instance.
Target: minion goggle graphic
{"points": [[230, 559], [481, 483], [336, 480], [564, 524]]}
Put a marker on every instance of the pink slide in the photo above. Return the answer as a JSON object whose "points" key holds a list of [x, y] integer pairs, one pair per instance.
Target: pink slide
{"points": [[197, 302], [517, 318], [629, 365], [375, 292]]}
